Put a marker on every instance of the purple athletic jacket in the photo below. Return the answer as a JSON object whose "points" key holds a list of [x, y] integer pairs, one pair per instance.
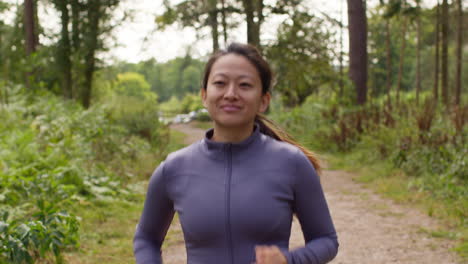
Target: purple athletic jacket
{"points": [[231, 197]]}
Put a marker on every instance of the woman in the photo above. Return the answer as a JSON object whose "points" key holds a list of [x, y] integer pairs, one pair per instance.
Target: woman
{"points": [[237, 189]]}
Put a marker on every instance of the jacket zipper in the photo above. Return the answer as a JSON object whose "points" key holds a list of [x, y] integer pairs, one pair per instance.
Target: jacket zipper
{"points": [[228, 201]]}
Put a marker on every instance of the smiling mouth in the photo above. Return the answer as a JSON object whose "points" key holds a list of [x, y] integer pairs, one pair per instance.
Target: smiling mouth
{"points": [[230, 108]]}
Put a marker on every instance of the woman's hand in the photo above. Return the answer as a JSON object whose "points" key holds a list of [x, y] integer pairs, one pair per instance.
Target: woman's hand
{"points": [[269, 255]]}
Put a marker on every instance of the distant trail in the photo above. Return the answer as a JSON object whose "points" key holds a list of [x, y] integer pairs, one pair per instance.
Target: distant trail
{"points": [[371, 230]]}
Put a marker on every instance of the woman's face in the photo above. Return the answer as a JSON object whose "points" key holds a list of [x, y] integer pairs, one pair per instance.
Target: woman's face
{"points": [[233, 95]]}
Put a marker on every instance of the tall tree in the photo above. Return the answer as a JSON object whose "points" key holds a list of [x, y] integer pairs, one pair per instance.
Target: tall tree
{"points": [[30, 34], [357, 26], [213, 21], [30, 26], [444, 62], [253, 10], [64, 49], [458, 82], [93, 14], [224, 22], [418, 52], [437, 54]]}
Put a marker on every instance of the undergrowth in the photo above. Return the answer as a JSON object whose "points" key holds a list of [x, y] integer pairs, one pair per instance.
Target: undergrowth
{"points": [[55, 156], [414, 153]]}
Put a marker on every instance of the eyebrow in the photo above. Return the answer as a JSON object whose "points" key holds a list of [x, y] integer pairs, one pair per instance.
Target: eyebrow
{"points": [[239, 77]]}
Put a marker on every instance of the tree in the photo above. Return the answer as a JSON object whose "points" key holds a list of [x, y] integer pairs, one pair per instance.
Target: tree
{"points": [[437, 55], [459, 52], [418, 52], [30, 26], [301, 57], [93, 14], [135, 85], [97, 13], [444, 58], [254, 23], [357, 22], [64, 49], [31, 38]]}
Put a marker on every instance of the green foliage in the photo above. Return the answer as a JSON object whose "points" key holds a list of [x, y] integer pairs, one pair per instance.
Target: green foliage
{"points": [[190, 102], [426, 143], [173, 78], [54, 155], [134, 84], [301, 57]]}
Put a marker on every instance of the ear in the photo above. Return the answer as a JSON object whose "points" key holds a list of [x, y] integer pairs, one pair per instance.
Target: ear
{"points": [[203, 96], [265, 102]]}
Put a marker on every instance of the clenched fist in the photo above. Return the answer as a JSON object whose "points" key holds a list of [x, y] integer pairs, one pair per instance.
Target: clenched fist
{"points": [[269, 255]]}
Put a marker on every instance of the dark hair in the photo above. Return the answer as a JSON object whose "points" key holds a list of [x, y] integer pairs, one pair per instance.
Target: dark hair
{"points": [[267, 127]]}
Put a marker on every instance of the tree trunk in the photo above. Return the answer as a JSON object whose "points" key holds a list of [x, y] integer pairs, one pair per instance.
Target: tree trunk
{"points": [[357, 22], [458, 83], [444, 65], [30, 35], [402, 57], [258, 25], [64, 50], [93, 13], [389, 61], [437, 55], [76, 9], [30, 27], [213, 20], [223, 14], [341, 81], [249, 13], [418, 57]]}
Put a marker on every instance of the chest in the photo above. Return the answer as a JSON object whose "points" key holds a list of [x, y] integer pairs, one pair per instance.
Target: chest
{"points": [[241, 200]]}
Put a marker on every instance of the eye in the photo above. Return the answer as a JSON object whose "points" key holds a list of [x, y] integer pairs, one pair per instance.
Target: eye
{"points": [[245, 84], [219, 83]]}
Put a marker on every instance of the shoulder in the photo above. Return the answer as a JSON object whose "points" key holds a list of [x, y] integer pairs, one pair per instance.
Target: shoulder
{"points": [[289, 153], [179, 158], [281, 148]]}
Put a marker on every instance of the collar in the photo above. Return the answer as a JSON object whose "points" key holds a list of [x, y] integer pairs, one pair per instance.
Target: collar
{"points": [[218, 150]]}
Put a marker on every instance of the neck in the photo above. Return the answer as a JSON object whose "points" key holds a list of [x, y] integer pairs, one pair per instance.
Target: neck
{"points": [[232, 134]]}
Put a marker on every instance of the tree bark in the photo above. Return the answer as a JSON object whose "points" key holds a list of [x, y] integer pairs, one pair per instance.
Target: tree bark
{"points": [[357, 22], [30, 35], [249, 13], [437, 55], [341, 81], [93, 13], [223, 14], [75, 10], [253, 28], [418, 56], [64, 50], [444, 65], [389, 61], [458, 80], [213, 20], [258, 24], [402, 58], [30, 27]]}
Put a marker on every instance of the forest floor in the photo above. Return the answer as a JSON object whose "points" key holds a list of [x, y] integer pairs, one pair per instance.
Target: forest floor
{"points": [[371, 229]]}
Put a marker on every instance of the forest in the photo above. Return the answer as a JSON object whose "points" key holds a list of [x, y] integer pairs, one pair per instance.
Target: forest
{"points": [[381, 90]]}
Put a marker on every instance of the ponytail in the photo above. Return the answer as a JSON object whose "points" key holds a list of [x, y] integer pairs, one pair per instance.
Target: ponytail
{"points": [[269, 128]]}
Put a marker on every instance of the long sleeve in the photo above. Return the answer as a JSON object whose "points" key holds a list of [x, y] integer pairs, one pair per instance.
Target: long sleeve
{"points": [[155, 220], [312, 211]]}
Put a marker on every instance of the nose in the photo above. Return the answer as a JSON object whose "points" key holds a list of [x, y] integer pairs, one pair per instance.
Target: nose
{"points": [[231, 92]]}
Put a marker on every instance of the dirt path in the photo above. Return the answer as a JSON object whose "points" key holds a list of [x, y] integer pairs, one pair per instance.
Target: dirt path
{"points": [[370, 229]]}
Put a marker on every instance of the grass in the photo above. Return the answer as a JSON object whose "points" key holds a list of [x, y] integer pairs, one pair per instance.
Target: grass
{"points": [[396, 185], [107, 227]]}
